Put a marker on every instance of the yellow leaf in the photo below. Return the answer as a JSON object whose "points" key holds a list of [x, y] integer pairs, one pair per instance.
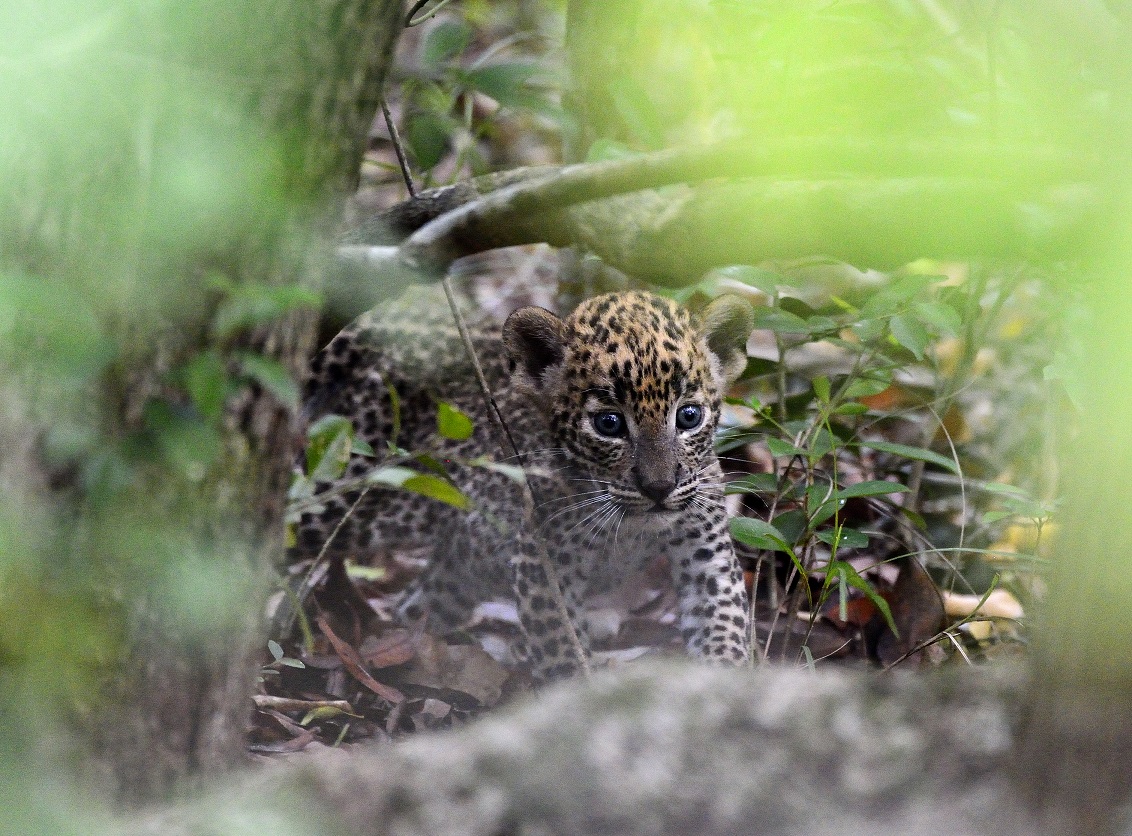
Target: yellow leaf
{"points": [[999, 604]]}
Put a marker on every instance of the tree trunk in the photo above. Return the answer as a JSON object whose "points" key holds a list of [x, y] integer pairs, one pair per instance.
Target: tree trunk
{"points": [[168, 167], [1076, 753]]}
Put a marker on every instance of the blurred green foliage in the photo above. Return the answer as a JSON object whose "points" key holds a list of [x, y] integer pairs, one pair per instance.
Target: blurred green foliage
{"points": [[473, 80], [137, 174], [152, 216], [693, 69]]}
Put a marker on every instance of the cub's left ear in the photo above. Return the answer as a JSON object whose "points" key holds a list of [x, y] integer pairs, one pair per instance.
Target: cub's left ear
{"points": [[535, 342], [726, 324]]}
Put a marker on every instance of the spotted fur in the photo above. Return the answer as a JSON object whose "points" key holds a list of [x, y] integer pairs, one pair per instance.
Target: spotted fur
{"points": [[614, 409]]}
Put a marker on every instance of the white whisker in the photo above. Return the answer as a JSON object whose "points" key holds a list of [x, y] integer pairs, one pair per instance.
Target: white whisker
{"points": [[582, 504], [569, 497], [600, 523], [586, 519]]}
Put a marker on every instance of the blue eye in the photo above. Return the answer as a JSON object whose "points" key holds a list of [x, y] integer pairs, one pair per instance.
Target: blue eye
{"points": [[689, 416], [611, 424]]}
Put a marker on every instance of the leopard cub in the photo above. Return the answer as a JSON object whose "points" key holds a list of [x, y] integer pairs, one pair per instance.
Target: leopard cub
{"points": [[613, 409]]}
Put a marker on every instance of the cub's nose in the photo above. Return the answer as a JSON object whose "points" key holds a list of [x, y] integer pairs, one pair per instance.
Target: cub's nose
{"points": [[657, 491]]}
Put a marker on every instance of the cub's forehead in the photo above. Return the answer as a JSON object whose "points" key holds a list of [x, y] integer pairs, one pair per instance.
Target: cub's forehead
{"points": [[616, 311], [636, 345]]}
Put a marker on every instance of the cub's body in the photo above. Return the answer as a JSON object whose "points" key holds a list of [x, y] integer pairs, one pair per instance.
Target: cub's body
{"points": [[613, 410]]}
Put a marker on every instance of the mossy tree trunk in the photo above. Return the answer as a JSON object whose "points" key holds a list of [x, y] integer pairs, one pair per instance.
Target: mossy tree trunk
{"points": [[170, 167]]}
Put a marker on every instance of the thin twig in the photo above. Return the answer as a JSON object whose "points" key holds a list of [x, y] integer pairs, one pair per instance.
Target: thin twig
{"points": [[305, 585], [411, 18], [505, 440], [503, 434], [398, 148]]}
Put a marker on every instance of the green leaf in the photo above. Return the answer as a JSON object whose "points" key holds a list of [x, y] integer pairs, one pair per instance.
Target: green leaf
{"points": [[1002, 489], [511, 471], [821, 388], [272, 376], [817, 495], [792, 524], [504, 81], [301, 488], [252, 304], [329, 440], [436, 488], [847, 575], [866, 387], [759, 534], [851, 408], [274, 649], [394, 411], [452, 423], [392, 476], [443, 42], [755, 483], [1025, 508], [819, 324], [432, 463], [794, 427], [780, 321], [919, 522], [849, 538], [1016, 501], [207, 382], [186, 442], [731, 438], [361, 447], [823, 443], [796, 306], [765, 280], [427, 134], [326, 427], [916, 453], [825, 511], [910, 333], [778, 447], [871, 488], [940, 315], [869, 330], [324, 712], [366, 573], [329, 462], [895, 297]]}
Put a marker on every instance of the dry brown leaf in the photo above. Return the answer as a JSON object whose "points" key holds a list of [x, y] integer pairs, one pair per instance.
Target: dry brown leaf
{"points": [[394, 648], [859, 611], [465, 668], [281, 723], [354, 665], [295, 744], [917, 611]]}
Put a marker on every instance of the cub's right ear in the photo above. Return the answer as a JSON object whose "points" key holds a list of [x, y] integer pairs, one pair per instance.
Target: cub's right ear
{"points": [[535, 341]]}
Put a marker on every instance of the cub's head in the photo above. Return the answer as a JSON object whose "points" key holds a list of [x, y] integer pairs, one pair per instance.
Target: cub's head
{"points": [[631, 384]]}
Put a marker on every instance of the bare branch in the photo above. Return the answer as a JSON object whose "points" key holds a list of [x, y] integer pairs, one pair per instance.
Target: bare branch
{"points": [[864, 202]]}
